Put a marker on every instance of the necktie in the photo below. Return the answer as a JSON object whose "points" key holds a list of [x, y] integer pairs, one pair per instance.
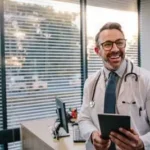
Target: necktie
{"points": [[110, 94], [110, 98]]}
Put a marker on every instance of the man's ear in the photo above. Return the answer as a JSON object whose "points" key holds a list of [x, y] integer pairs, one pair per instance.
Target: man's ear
{"points": [[97, 51]]}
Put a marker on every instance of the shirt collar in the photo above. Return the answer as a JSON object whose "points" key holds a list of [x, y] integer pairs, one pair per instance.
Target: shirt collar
{"points": [[120, 71]]}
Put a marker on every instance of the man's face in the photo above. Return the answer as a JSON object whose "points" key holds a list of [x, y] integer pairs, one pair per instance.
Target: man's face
{"points": [[112, 58]]}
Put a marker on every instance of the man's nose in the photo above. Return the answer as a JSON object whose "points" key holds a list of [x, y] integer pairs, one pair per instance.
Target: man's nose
{"points": [[114, 47]]}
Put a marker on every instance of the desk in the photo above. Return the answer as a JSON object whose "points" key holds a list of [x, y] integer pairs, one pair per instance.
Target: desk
{"points": [[36, 135]]}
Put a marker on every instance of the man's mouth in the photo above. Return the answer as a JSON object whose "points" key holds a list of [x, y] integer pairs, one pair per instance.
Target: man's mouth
{"points": [[114, 56]]}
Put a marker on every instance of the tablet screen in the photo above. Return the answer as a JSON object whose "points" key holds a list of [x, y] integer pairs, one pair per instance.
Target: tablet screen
{"points": [[112, 122]]}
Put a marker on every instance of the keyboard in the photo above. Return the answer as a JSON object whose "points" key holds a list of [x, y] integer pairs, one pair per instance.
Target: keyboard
{"points": [[76, 134]]}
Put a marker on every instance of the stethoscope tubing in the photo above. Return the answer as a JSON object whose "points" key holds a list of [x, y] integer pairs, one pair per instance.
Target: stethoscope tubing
{"points": [[125, 79]]}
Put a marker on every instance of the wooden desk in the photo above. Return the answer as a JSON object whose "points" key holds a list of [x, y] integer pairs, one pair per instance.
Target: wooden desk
{"points": [[36, 135]]}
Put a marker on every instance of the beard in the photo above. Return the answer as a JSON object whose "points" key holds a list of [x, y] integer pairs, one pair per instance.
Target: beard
{"points": [[113, 60]]}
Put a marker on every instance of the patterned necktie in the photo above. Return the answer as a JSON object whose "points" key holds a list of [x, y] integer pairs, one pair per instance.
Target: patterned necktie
{"points": [[110, 98]]}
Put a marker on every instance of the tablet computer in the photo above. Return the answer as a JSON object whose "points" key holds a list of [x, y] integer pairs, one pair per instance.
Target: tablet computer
{"points": [[112, 122]]}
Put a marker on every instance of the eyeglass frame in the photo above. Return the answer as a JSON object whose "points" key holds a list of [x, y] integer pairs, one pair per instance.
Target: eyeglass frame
{"points": [[113, 44]]}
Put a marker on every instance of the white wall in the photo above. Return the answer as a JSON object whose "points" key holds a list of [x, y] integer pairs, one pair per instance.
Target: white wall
{"points": [[145, 34]]}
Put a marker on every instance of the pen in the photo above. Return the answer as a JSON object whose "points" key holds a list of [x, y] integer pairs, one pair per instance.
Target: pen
{"points": [[124, 102], [140, 109]]}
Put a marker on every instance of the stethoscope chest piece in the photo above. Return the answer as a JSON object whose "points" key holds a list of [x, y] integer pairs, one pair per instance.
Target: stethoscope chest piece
{"points": [[92, 104]]}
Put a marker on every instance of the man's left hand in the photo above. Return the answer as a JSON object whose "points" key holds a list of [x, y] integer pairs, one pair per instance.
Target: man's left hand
{"points": [[130, 142]]}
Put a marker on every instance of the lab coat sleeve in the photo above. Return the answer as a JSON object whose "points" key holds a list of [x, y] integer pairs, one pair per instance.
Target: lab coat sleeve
{"points": [[84, 118], [146, 138]]}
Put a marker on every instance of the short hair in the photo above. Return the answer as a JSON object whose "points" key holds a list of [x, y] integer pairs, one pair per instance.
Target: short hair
{"points": [[108, 26]]}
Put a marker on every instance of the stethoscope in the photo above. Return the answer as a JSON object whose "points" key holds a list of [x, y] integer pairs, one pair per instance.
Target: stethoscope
{"points": [[92, 102]]}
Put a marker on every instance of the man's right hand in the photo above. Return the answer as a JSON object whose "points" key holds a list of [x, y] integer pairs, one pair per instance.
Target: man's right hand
{"points": [[98, 142]]}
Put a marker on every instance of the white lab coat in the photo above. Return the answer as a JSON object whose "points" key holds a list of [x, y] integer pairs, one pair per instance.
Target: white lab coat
{"points": [[130, 91]]}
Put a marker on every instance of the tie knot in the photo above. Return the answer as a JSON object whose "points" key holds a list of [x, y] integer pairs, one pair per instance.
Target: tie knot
{"points": [[113, 74], [113, 77]]}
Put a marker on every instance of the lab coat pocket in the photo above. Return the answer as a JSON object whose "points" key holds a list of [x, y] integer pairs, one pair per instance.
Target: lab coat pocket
{"points": [[139, 119]]}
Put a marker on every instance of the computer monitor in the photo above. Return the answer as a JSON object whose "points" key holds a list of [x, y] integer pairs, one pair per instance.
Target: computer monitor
{"points": [[62, 115]]}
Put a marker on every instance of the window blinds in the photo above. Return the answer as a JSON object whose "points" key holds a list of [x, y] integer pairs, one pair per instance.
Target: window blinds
{"points": [[1, 107], [124, 12], [126, 5], [42, 48]]}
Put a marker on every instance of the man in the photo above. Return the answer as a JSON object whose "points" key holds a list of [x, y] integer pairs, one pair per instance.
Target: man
{"points": [[132, 95]]}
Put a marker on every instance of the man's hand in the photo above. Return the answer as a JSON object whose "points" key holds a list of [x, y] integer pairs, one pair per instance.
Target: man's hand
{"points": [[98, 142], [130, 142]]}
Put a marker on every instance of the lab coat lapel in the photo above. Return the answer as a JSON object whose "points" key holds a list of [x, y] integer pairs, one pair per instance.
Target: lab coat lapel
{"points": [[124, 84], [100, 93], [122, 88], [102, 84]]}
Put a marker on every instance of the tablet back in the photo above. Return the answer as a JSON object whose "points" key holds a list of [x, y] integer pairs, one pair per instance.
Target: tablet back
{"points": [[112, 122]]}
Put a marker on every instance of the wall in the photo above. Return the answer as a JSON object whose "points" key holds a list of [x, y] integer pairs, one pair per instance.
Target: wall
{"points": [[145, 34]]}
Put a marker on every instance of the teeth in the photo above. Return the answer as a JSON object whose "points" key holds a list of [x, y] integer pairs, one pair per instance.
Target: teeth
{"points": [[115, 56]]}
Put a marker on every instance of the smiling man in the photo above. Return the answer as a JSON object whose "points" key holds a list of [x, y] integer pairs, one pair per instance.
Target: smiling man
{"points": [[113, 89], [111, 45]]}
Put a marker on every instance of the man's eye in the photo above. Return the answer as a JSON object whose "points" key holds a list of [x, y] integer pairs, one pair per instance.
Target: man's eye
{"points": [[107, 44], [119, 43]]}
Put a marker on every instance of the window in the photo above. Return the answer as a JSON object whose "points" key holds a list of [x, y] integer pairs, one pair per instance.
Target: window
{"points": [[42, 46], [1, 111]]}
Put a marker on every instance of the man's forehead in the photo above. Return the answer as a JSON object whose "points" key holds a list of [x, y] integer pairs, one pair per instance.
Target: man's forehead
{"points": [[110, 34]]}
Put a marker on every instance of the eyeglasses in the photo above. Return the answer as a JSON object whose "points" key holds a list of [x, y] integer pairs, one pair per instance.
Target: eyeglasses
{"points": [[108, 45]]}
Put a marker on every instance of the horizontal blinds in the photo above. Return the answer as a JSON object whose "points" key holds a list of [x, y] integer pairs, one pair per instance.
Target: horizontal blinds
{"points": [[128, 19], [126, 5], [42, 45], [1, 107]]}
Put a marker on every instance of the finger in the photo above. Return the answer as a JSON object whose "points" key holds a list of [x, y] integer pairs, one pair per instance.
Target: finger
{"points": [[100, 146], [133, 131], [129, 134], [103, 141], [96, 145], [120, 144], [123, 139], [98, 139]]}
